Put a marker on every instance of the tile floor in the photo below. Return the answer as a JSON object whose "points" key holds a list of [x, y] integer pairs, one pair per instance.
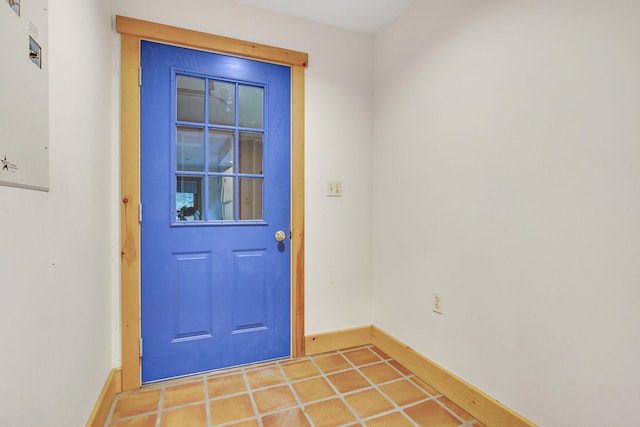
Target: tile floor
{"points": [[355, 387]]}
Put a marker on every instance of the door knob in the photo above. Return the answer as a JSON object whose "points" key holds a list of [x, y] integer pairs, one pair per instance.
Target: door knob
{"points": [[280, 236]]}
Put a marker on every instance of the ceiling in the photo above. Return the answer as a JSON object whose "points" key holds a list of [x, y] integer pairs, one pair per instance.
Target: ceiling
{"points": [[362, 16]]}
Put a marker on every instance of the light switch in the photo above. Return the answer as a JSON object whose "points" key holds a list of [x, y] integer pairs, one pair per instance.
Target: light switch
{"points": [[334, 189]]}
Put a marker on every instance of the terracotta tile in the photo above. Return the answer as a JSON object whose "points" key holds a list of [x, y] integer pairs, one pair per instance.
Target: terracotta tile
{"points": [[455, 409], [380, 373], [380, 353], [265, 377], [183, 394], [223, 372], [355, 347], [332, 363], [314, 389], [300, 370], [249, 423], [362, 356], [431, 414], [478, 424], [396, 419], [226, 384], [399, 367], [136, 404], [328, 353], [189, 416], [144, 421], [432, 391], [183, 380], [291, 418], [329, 413], [260, 366], [273, 399], [231, 409], [348, 381], [368, 403], [403, 392]]}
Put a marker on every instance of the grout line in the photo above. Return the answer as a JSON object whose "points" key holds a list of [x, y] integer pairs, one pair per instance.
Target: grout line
{"points": [[402, 377], [435, 397], [224, 396], [410, 376], [160, 405], [338, 393], [295, 395], [375, 387], [118, 397], [207, 406], [170, 408], [459, 418], [253, 400]]}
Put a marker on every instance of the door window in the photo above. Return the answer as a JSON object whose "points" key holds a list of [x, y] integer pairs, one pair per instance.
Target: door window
{"points": [[218, 153]]}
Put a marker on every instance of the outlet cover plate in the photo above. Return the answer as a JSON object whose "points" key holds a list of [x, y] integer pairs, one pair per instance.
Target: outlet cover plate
{"points": [[437, 302]]}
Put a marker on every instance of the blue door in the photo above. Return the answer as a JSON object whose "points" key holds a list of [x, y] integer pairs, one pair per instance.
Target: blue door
{"points": [[215, 190]]}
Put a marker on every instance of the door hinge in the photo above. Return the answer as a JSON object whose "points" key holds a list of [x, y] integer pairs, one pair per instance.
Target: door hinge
{"points": [[140, 76], [140, 347], [140, 213]]}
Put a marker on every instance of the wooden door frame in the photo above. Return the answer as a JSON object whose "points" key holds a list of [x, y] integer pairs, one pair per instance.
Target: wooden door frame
{"points": [[132, 31]]}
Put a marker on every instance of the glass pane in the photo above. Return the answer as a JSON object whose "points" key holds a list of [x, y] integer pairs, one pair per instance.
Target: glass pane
{"points": [[250, 198], [250, 153], [222, 103], [190, 98], [251, 106], [188, 198], [220, 198], [189, 149], [220, 151]]}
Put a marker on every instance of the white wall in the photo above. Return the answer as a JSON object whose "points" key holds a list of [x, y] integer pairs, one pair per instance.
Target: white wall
{"points": [[338, 144], [59, 257], [506, 175], [55, 247]]}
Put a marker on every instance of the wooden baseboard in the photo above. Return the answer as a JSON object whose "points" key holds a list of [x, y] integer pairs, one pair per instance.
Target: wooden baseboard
{"points": [[331, 341], [112, 386], [484, 408]]}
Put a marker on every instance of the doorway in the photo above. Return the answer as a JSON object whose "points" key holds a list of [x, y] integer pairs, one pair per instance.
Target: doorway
{"points": [[133, 32]]}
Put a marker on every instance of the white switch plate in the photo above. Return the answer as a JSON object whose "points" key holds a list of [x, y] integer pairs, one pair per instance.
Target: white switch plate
{"points": [[334, 189]]}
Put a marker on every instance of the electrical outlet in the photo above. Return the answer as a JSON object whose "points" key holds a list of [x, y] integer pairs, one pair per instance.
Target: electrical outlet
{"points": [[334, 189], [437, 302]]}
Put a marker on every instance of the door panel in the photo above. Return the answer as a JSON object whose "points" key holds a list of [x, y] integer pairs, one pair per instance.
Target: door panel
{"points": [[192, 290], [215, 175]]}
